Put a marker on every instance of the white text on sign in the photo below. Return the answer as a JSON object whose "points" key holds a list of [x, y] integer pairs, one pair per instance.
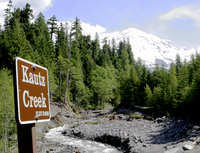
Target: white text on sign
{"points": [[36, 79], [33, 101]]}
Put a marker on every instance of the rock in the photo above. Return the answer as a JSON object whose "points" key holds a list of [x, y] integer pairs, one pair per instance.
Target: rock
{"points": [[64, 132], [175, 150], [192, 139], [111, 117], [159, 120], [135, 137], [195, 127], [129, 118], [144, 145], [52, 149], [122, 117], [188, 147], [45, 129], [197, 140]]}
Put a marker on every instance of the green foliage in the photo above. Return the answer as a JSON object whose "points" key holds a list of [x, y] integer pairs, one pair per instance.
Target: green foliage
{"points": [[148, 96], [53, 25], [8, 126], [102, 85]]}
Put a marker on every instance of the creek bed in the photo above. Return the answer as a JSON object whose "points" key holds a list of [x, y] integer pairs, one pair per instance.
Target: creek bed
{"points": [[86, 146]]}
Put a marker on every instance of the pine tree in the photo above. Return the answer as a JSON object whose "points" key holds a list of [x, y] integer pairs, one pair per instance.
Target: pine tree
{"points": [[192, 68], [53, 25], [26, 15], [130, 53], [77, 30], [178, 63], [95, 47], [148, 95], [15, 44], [43, 44], [8, 15], [142, 85], [173, 84], [114, 50], [138, 67], [61, 46]]}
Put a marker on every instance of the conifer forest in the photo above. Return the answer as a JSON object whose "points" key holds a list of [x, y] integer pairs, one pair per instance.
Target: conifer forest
{"points": [[89, 75]]}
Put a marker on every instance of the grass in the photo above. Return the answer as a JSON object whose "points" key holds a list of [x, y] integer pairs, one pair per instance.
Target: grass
{"points": [[50, 127], [39, 135], [83, 117], [137, 116], [93, 123]]}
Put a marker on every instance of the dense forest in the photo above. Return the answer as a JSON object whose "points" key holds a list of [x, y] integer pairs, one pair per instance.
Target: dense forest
{"points": [[87, 75]]}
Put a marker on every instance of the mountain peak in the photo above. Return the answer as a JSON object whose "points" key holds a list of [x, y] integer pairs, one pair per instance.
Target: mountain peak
{"points": [[150, 48]]}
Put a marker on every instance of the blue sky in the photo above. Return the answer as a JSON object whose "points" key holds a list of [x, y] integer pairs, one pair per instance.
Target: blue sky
{"points": [[175, 20]]}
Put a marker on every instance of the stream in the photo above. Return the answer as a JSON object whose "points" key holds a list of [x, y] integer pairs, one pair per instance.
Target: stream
{"points": [[85, 146]]}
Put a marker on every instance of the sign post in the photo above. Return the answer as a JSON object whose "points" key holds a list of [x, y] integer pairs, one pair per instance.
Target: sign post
{"points": [[31, 101]]}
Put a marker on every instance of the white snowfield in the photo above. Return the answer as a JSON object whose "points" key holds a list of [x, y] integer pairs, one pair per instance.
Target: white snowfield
{"points": [[151, 49]]}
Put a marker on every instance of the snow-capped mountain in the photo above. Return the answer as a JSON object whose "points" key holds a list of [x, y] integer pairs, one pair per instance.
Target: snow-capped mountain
{"points": [[151, 49]]}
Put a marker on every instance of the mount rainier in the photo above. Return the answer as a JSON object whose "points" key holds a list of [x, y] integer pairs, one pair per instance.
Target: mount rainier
{"points": [[151, 49]]}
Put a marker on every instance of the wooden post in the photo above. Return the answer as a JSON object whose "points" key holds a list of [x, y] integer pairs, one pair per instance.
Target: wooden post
{"points": [[26, 138]]}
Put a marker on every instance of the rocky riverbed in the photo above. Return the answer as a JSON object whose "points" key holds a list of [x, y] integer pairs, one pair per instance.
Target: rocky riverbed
{"points": [[129, 131]]}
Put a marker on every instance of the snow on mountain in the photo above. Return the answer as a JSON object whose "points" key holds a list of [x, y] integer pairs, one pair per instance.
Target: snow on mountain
{"points": [[151, 49]]}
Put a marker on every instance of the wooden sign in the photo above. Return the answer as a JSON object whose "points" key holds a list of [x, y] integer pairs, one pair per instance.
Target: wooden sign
{"points": [[32, 92]]}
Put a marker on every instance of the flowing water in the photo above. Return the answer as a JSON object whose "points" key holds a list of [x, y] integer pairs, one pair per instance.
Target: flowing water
{"points": [[83, 145]]}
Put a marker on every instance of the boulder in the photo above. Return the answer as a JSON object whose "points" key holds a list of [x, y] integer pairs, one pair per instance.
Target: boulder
{"points": [[159, 120], [195, 127], [192, 139], [197, 140], [188, 147]]}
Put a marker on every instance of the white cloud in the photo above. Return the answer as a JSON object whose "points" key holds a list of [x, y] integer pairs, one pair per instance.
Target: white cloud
{"points": [[184, 12], [3, 5], [36, 5], [87, 28], [91, 30]]}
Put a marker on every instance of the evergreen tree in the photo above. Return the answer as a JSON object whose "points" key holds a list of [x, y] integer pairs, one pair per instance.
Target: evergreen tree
{"points": [[178, 63], [192, 68], [138, 67], [114, 54], [53, 25], [15, 44], [129, 87], [130, 53], [120, 48], [61, 46], [148, 95], [8, 15], [104, 58], [77, 30], [95, 47], [26, 15], [142, 85], [43, 45], [173, 84]]}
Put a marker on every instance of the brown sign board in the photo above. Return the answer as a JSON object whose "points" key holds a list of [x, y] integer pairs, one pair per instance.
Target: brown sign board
{"points": [[32, 92]]}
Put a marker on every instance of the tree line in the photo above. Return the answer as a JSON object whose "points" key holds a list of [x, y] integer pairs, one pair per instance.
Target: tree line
{"points": [[83, 73]]}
